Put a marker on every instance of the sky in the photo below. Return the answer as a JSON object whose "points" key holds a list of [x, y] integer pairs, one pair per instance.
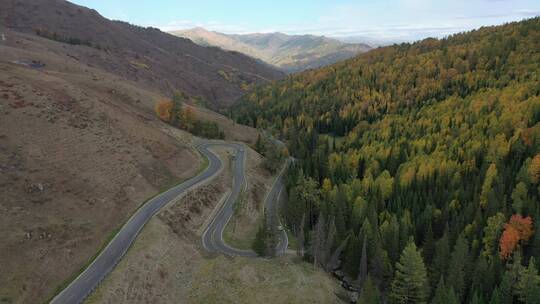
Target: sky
{"points": [[398, 20]]}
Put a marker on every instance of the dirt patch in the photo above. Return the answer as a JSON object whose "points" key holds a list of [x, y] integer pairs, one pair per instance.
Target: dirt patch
{"points": [[186, 216]]}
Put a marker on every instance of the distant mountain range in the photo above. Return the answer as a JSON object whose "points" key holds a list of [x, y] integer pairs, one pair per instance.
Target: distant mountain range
{"points": [[290, 53], [372, 41]]}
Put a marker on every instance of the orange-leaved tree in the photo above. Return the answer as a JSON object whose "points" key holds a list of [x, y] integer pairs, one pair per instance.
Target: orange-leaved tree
{"points": [[163, 109], [518, 229], [508, 242]]}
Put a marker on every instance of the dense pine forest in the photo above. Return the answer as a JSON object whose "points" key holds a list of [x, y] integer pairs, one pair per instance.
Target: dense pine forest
{"points": [[417, 167]]}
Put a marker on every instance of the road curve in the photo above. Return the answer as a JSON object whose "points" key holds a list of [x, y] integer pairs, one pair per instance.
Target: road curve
{"points": [[77, 291], [212, 238], [271, 206], [105, 262]]}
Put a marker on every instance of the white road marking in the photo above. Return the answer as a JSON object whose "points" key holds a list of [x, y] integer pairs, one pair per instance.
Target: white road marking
{"points": [[3, 37]]}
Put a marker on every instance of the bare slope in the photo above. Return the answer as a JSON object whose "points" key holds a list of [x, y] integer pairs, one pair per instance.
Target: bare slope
{"points": [[289, 53], [146, 55], [80, 149]]}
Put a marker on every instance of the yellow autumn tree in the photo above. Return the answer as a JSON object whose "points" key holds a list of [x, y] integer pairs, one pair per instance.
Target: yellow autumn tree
{"points": [[534, 169], [163, 109], [285, 152], [487, 187]]}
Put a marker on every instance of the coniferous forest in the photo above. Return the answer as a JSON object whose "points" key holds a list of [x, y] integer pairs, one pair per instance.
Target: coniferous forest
{"points": [[417, 167]]}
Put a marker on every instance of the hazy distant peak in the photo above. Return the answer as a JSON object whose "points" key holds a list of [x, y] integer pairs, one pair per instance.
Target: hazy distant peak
{"points": [[291, 53]]}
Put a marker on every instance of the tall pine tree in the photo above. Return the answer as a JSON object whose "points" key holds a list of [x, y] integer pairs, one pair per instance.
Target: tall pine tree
{"points": [[457, 270], [410, 282]]}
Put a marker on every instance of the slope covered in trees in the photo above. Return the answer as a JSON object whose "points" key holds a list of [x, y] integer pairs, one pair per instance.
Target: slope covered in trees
{"points": [[435, 143], [181, 116]]}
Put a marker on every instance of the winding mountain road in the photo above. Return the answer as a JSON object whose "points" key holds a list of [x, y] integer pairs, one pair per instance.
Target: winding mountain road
{"points": [[111, 255], [212, 238]]}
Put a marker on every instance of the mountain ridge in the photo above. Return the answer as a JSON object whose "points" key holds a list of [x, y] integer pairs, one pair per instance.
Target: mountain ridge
{"points": [[290, 53], [146, 55]]}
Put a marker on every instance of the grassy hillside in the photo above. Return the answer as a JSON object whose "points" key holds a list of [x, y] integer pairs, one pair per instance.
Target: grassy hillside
{"points": [[435, 143], [154, 59], [80, 149]]}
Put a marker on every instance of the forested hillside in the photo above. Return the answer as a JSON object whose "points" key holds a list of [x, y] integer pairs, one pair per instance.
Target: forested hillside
{"points": [[418, 166]]}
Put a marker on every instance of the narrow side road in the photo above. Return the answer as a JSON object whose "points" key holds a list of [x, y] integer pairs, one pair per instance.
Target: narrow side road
{"points": [[271, 206]]}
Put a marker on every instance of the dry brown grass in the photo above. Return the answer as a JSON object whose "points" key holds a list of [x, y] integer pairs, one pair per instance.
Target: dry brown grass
{"points": [[80, 150]]}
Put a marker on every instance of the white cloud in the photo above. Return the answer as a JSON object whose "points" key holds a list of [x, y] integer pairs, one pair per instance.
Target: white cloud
{"points": [[403, 20], [209, 25]]}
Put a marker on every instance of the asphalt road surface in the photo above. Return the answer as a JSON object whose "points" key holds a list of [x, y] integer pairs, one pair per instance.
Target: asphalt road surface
{"points": [[212, 238], [111, 255], [104, 263], [271, 206]]}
